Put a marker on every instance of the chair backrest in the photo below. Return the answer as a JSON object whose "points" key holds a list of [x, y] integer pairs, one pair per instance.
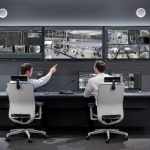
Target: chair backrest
{"points": [[110, 101], [21, 101]]}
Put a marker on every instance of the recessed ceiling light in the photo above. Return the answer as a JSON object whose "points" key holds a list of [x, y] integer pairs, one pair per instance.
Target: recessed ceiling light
{"points": [[3, 13], [140, 12]]}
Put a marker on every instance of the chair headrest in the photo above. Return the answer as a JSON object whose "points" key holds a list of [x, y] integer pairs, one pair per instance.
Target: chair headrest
{"points": [[20, 78], [113, 80]]}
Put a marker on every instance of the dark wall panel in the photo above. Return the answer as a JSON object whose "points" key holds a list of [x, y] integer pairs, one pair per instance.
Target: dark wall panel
{"points": [[68, 71]]}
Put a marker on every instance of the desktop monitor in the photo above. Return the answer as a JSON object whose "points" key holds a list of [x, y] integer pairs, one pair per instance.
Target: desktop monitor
{"points": [[83, 79], [131, 80]]}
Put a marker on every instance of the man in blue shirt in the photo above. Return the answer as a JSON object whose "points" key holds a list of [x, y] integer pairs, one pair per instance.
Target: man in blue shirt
{"points": [[27, 69]]}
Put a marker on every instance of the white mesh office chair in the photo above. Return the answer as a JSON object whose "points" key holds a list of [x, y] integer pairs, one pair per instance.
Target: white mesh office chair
{"points": [[22, 108], [109, 109]]}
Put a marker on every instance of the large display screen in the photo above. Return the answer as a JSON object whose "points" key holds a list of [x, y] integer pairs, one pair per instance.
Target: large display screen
{"points": [[73, 44], [128, 44]]}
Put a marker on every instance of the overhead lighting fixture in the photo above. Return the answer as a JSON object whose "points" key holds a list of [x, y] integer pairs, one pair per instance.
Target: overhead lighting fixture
{"points": [[140, 12], [3, 13]]}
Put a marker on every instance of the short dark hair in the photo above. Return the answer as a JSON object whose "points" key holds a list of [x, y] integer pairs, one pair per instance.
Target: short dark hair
{"points": [[100, 65], [25, 67]]}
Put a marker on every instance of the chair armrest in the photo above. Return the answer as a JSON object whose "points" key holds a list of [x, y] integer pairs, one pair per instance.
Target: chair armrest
{"points": [[91, 105], [38, 115], [92, 115], [39, 103]]}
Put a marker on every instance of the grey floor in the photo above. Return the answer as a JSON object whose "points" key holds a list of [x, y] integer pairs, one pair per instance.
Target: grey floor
{"points": [[77, 141]]}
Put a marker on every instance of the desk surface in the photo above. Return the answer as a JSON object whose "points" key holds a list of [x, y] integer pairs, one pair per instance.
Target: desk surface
{"points": [[77, 94], [59, 108]]}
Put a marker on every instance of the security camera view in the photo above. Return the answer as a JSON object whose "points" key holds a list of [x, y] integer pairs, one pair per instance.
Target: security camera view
{"points": [[5, 49], [20, 41], [83, 79], [73, 44], [132, 81], [20, 48], [34, 49], [128, 44]]}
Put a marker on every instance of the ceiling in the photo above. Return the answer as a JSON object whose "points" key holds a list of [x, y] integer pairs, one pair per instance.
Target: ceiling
{"points": [[74, 12]]}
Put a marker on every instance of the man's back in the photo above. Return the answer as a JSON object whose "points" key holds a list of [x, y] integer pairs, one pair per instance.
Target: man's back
{"points": [[93, 83]]}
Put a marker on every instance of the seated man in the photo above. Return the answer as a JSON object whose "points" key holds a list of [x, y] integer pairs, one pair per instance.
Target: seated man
{"points": [[27, 69], [93, 83]]}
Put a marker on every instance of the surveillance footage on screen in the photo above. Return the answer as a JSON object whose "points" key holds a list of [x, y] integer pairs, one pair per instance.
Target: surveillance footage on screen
{"points": [[132, 81], [128, 44], [83, 79], [73, 44], [5, 49]]}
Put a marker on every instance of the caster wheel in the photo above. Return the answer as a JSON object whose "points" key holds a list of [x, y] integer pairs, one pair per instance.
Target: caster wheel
{"points": [[87, 138], [7, 139], [107, 141], [126, 138], [29, 141]]}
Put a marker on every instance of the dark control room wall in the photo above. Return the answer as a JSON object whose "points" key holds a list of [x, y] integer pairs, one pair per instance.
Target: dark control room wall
{"points": [[74, 13], [68, 71]]}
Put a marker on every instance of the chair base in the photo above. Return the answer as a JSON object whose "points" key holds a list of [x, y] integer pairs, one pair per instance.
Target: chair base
{"points": [[26, 131], [108, 131]]}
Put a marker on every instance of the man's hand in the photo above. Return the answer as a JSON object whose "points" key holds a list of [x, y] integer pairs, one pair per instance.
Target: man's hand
{"points": [[53, 69]]}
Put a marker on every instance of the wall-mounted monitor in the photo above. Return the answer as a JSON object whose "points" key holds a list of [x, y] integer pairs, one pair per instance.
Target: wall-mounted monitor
{"points": [[128, 44], [73, 44]]}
